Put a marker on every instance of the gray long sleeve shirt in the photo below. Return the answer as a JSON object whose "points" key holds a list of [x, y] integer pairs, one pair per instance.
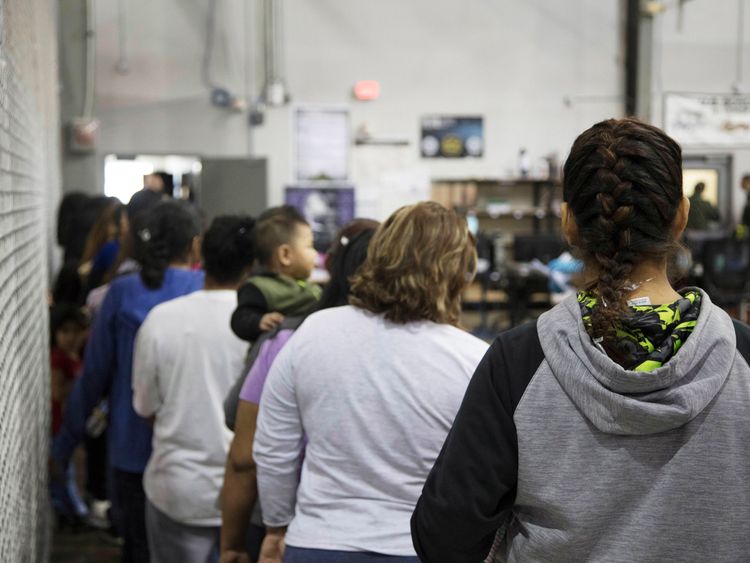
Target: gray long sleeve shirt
{"points": [[374, 400]]}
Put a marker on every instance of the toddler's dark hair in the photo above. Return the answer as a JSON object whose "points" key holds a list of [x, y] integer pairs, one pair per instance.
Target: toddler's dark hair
{"points": [[63, 313], [275, 226]]}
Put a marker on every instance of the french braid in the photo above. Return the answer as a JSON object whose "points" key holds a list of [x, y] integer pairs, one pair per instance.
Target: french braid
{"points": [[623, 184]]}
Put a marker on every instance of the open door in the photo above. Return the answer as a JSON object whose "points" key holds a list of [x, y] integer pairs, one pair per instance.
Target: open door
{"points": [[233, 185], [715, 171]]}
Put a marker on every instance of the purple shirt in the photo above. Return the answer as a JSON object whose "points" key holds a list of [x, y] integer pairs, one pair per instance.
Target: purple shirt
{"points": [[252, 389]]}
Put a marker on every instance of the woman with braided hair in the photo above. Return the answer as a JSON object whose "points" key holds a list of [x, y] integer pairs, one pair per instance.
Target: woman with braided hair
{"points": [[614, 428]]}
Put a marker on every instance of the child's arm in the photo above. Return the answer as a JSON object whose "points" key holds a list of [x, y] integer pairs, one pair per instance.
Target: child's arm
{"points": [[251, 307]]}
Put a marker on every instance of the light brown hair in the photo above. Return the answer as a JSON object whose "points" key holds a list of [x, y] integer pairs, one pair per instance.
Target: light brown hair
{"points": [[99, 233], [418, 263]]}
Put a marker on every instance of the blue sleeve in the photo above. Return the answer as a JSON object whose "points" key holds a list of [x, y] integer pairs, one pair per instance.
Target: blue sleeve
{"points": [[106, 256], [95, 380]]}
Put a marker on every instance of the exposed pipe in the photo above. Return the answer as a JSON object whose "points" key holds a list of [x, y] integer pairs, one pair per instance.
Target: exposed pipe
{"points": [[632, 27], [248, 64], [90, 46], [209, 46], [274, 88], [740, 44], [123, 62]]}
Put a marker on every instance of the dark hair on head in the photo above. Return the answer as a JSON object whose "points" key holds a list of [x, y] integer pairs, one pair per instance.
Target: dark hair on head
{"points": [[63, 313], [623, 183], [699, 188], [141, 202], [419, 262], [228, 248], [347, 255], [348, 232], [164, 236], [167, 181], [275, 226]]}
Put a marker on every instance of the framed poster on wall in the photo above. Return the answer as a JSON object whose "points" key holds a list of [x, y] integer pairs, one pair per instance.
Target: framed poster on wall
{"points": [[321, 144], [445, 136]]}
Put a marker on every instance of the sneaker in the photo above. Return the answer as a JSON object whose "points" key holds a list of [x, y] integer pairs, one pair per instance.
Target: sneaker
{"points": [[99, 515]]}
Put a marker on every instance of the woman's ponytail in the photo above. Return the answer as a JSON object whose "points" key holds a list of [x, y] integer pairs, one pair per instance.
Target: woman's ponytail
{"points": [[164, 236]]}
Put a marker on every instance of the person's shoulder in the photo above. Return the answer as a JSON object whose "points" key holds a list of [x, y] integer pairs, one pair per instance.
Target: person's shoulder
{"points": [[126, 281], [262, 278], [331, 317], [123, 286], [179, 274], [466, 340], [742, 333], [176, 306], [265, 282]]}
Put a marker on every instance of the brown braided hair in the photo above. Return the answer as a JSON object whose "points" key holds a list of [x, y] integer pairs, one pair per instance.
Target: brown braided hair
{"points": [[623, 183]]}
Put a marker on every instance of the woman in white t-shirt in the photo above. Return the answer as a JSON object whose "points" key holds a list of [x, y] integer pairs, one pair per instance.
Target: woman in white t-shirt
{"points": [[373, 388], [185, 361]]}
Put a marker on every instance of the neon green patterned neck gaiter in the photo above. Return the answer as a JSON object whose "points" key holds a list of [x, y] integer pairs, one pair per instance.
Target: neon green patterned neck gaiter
{"points": [[652, 334]]}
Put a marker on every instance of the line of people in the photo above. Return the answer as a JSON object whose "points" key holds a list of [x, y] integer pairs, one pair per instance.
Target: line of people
{"points": [[163, 352], [255, 417]]}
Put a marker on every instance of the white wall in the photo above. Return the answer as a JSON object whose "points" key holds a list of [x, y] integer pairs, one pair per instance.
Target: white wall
{"points": [[512, 62], [698, 53]]}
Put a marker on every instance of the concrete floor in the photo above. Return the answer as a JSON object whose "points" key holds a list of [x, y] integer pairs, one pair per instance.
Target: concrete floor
{"points": [[84, 546]]}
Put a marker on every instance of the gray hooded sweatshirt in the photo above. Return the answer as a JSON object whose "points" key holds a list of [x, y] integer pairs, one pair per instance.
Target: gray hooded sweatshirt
{"points": [[560, 454]]}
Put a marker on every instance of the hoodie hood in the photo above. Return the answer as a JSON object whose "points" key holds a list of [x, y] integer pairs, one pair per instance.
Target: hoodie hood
{"points": [[620, 401]]}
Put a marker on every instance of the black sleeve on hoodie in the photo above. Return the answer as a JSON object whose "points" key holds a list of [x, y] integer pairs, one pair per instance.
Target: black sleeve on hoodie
{"points": [[472, 486], [251, 306], [743, 339]]}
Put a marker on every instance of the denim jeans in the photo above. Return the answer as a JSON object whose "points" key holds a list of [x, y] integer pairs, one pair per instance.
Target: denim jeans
{"points": [[130, 508], [304, 555]]}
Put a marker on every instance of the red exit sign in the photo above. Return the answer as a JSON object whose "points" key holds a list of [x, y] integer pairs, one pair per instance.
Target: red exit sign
{"points": [[367, 90]]}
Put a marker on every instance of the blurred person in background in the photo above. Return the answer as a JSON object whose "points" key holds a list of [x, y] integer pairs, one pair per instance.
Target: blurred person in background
{"points": [[102, 245], [186, 359], [615, 427], [373, 388], [702, 213], [240, 509], [168, 245], [68, 332]]}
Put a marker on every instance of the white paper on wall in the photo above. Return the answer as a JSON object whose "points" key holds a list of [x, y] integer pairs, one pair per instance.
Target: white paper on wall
{"points": [[708, 119], [321, 144], [386, 178]]}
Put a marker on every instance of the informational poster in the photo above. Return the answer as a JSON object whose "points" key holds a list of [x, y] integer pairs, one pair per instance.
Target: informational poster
{"points": [[321, 144], [708, 119], [325, 209], [388, 178], [445, 136]]}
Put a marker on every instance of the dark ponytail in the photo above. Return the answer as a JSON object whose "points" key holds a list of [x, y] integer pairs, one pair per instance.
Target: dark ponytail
{"points": [[623, 184], [163, 236], [348, 255], [228, 248]]}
